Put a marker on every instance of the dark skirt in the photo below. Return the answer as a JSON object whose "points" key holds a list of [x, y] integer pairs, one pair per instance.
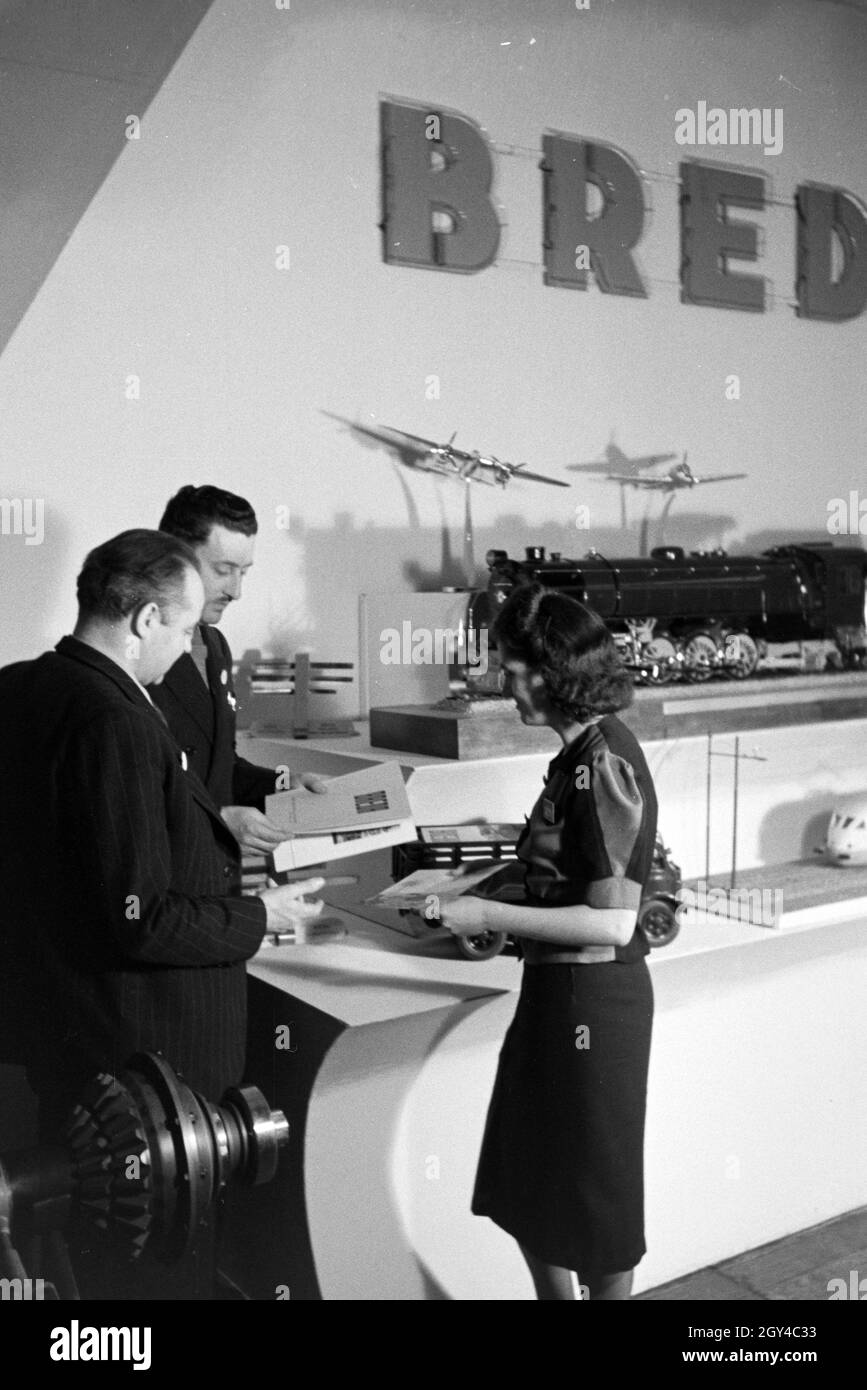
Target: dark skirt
{"points": [[562, 1161]]}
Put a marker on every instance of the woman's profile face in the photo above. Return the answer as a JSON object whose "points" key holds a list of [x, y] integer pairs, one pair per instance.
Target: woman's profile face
{"points": [[526, 688]]}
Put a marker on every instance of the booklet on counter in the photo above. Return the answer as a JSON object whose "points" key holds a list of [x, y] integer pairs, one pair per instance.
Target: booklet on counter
{"points": [[359, 812]]}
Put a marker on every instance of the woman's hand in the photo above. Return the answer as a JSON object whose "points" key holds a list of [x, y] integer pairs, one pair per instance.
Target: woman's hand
{"points": [[464, 916]]}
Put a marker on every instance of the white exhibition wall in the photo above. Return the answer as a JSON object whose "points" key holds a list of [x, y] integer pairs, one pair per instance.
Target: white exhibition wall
{"points": [[265, 134]]}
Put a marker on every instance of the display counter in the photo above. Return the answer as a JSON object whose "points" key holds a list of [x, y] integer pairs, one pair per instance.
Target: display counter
{"points": [[382, 1050], [757, 1119]]}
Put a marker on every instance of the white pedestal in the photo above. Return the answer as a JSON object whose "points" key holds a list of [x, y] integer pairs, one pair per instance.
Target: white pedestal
{"points": [[757, 1119]]}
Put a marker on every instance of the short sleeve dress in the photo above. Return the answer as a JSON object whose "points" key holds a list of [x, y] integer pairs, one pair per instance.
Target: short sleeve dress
{"points": [[561, 1167]]}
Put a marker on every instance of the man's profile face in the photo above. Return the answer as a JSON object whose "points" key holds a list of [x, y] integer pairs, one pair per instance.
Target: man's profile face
{"points": [[224, 558], [173, 634]]}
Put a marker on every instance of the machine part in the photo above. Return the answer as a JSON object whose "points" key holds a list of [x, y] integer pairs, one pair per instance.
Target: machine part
{"points": [[146, 1160], [111, 1163], [260, 1134]]}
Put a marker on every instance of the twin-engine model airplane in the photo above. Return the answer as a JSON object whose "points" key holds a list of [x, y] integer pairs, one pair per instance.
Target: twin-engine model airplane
{"points": [[429, 457], [681, 475]]}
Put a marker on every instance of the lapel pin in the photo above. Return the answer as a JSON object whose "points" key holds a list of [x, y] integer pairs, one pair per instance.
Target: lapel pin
{"points": [[224, 677], [184, 764]]}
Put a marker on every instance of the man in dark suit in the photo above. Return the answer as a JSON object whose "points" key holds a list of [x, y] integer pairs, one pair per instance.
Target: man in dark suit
{"points": [[197, 695], [124, 925]]}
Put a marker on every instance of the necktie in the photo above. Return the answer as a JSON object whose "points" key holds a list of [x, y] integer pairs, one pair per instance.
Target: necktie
{"points": [[199, 653]]}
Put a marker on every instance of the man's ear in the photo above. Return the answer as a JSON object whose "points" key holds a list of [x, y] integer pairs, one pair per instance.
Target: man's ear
{"points": [[145, 617]]}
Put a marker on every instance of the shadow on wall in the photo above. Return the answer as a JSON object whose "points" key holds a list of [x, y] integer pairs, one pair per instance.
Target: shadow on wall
{"points": [[372, 559], [758, 541], [343, 560], [804, 822], [73, 73]]}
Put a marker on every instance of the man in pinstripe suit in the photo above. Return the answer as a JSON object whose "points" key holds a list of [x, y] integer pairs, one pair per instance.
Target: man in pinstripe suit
{"points": [[125, 928]]}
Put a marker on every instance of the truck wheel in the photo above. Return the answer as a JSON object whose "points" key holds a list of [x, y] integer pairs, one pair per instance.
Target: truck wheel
{"points": [[657, 922], [484, 946]]}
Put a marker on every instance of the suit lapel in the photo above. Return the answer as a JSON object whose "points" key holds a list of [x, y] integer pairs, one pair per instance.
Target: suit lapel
{"points": [[191, 693], [219, 680], [88, 656], [80, 651]]}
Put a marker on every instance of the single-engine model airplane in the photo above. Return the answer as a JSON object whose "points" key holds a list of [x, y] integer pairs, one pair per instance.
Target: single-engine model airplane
{"points": [[615, 458], [681, 475], [445, 459]]}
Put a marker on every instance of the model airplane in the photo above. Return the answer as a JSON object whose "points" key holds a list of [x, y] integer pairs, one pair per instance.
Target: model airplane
{"points": [[615, 458], [430, 457], [680, 476]]}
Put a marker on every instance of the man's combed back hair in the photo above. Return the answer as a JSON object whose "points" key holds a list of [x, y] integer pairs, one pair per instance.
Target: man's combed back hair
{"points": [[569, 646], [193, 511], [130, 570]]}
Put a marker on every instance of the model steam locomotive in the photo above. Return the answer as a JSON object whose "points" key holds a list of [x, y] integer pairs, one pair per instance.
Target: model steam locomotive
{"points": [[678, 616]]}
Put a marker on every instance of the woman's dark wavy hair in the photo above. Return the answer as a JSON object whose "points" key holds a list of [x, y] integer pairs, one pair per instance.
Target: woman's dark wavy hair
{"points": [[569, 646]]}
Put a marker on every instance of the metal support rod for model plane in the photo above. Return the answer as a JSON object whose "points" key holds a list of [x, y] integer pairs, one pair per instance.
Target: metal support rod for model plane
{"points": [[469, 558], [735, 812], [707, 812]]}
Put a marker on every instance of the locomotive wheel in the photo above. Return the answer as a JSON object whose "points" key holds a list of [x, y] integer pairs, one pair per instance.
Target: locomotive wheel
{"points": [[742, 655], [700, 656], [483, 946], [661, 649]]}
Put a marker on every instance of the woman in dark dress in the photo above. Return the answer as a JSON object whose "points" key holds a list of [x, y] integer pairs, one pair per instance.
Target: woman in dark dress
{"points": [[561, 1167]]}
